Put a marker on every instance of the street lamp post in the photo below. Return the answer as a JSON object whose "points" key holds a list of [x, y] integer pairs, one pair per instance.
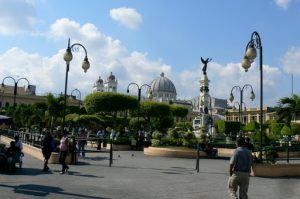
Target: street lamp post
{"points": [[241, 90], [68, 58], [15, 86], [79, 102], [238, 104], [139, 95], [250, 55]]}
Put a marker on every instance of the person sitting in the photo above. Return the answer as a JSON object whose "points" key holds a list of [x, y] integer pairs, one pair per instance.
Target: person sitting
{"points": [[10, 153], [210, 150], [18, 143]]}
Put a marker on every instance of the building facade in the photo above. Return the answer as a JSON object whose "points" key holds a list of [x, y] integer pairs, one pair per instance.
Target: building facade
{"points": [[109, 85], [25, 95], [251, 114]]}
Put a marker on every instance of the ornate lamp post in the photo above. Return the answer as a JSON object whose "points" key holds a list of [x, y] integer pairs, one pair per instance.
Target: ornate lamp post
{"points": [[15, 86], [68, 58], [139, 89], [241, 90], [79, 102], [239, 106], [250, 55], [139, 94], [79, 96]]}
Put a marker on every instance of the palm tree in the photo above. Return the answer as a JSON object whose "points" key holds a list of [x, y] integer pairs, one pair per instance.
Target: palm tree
{"points": [[289, 108], [55, 108]]}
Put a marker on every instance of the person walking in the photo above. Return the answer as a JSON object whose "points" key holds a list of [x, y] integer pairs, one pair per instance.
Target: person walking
{"points": [[47, 148], [100, 135], [64, 149], [81, 143], [239, 170]]}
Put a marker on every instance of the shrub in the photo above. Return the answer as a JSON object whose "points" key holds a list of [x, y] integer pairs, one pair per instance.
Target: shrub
{"points": [[155, 142], [189, 135], [156, 135], [173, 133], [122, 140], [271, 155], [190, 143]]}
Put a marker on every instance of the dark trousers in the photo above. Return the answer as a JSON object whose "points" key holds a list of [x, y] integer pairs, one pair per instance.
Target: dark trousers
{"points": [[62, 160]]}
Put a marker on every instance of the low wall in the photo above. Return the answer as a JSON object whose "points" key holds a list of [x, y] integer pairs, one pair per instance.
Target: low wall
{"points": [[276, 170], [225, 152], [170, 152], [116, 147], [292, 154], [36, 152]]}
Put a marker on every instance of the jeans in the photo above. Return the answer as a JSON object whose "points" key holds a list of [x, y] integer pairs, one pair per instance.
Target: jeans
{"points": [[81, 149]]}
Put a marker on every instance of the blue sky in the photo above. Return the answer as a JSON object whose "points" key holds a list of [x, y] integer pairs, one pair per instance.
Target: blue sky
{"points": [[137, 40]]}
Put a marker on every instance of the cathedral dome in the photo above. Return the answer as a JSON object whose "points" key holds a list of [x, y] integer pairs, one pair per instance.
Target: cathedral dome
{"points": [[163, 88]]}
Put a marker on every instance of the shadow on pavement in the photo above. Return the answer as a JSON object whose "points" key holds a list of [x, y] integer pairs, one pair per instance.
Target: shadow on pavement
{"points": [[27, 171], [43, 191]]}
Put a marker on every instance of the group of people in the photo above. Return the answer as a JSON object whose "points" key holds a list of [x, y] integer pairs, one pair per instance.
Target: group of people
{"points": [[11, 155], [48, 145]]}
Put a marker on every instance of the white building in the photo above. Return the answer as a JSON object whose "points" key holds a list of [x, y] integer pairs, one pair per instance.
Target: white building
{"points": [[163, 89], [109, 85]]}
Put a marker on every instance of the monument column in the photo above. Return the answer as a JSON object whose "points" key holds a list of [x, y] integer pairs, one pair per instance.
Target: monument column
{"points": [[204, 97]]}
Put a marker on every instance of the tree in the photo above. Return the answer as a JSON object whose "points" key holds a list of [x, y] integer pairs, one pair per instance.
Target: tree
{"points": [[90, 121], [286, 130], [295, 127], [39, 114], [157, 115], [55, 108], [228, 127], [289, 108], [109, 103], [179, 111], [276, 128], [251, 126], [22, 114]]}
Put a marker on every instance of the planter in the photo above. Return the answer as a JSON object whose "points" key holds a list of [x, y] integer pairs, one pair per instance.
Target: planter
{"points": [[172, 152], [225, 152], [276, 170], [292, 154], [116, 147]]}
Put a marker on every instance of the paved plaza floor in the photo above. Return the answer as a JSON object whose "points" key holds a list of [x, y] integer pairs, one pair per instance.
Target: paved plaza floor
{"points": [[134, 176]]}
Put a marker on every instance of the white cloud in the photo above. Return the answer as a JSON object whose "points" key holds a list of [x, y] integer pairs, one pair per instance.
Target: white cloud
{"points": [[107, 54], [128, 17], [291, 61], [17, 16], [225, 76], [284, 4]]}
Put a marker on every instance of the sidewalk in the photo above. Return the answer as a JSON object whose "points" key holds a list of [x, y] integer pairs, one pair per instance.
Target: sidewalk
{"points": [[135, 176]]}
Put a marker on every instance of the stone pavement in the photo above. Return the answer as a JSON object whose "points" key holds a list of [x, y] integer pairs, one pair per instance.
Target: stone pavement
{"points": [[135, 176]]}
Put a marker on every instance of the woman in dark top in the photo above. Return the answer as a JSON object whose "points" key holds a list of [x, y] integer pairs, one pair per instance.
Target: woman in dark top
{"points": [[47, 147]]}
